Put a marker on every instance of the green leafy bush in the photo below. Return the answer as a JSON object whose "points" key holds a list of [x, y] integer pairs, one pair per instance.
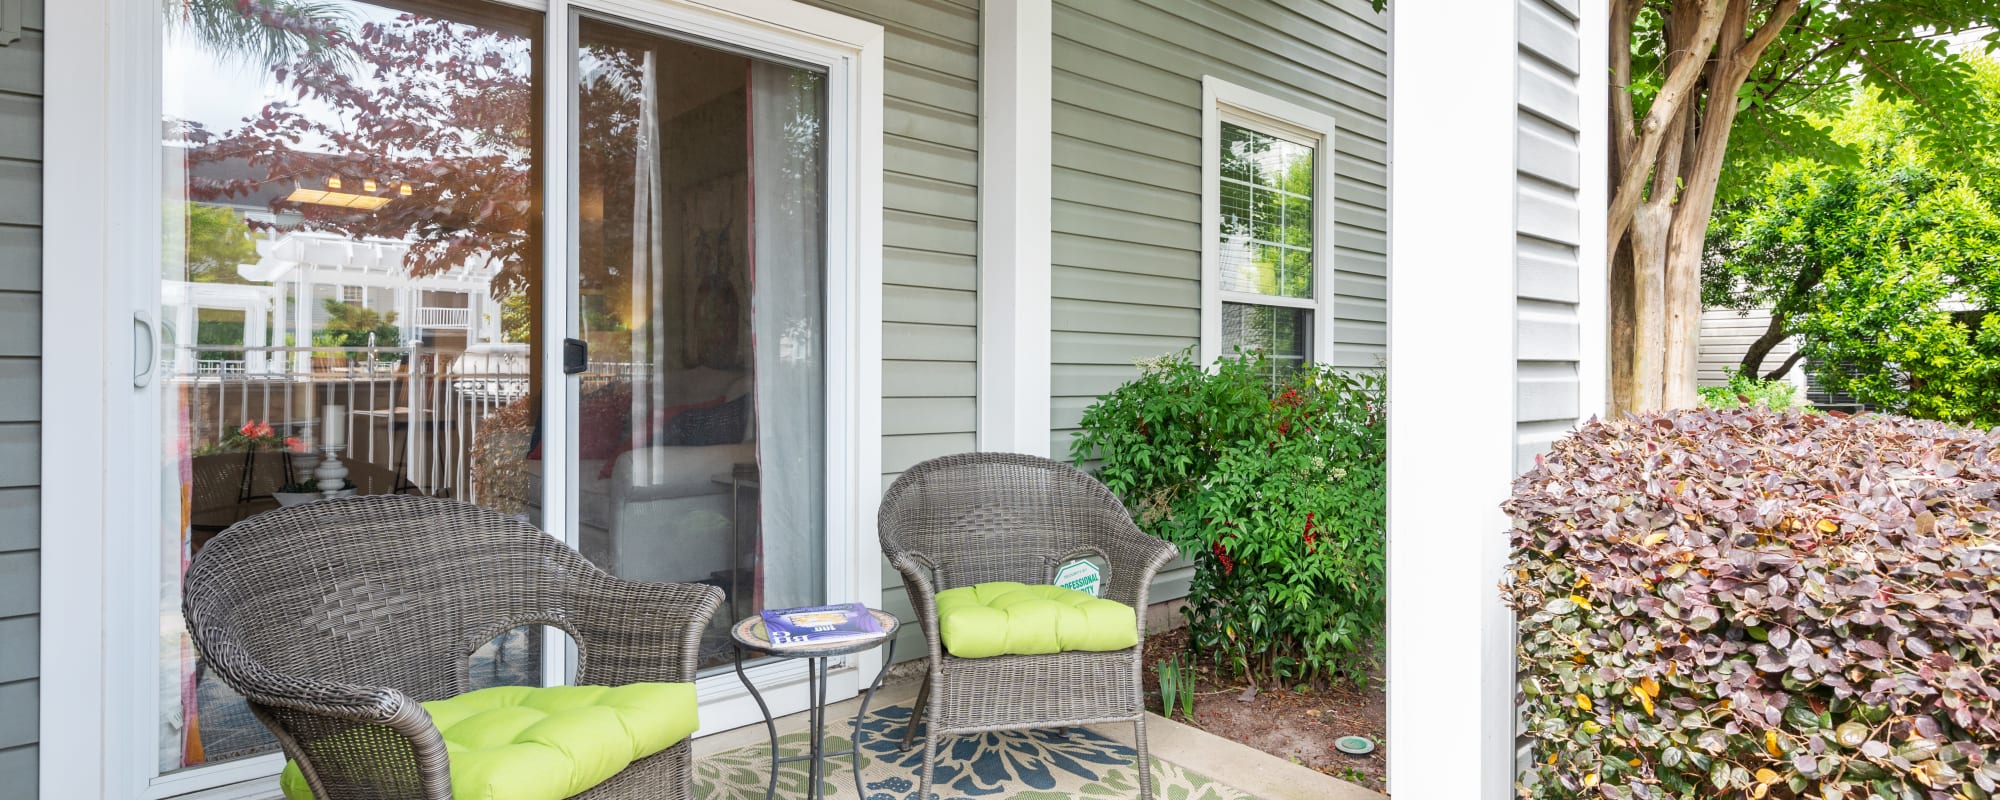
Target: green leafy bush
{"points": [[1778, 395], [1274, 488], [1749, 603]]}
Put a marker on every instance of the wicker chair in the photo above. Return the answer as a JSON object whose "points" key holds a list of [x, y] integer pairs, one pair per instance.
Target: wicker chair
{"points": [[977, 517], [334, 619]]}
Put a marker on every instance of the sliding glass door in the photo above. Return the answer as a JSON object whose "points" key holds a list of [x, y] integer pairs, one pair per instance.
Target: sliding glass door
{"points": [[701, 449], [367, 268]]}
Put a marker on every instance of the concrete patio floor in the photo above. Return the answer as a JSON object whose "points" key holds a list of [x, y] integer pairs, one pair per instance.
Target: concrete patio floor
{"points": [[1240, 766]]}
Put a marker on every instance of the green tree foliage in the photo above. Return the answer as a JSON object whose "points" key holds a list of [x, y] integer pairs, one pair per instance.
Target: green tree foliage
{"points": [[1883, 265], [217, 242], [1903, 51], [349, 326], [1745, 392]]}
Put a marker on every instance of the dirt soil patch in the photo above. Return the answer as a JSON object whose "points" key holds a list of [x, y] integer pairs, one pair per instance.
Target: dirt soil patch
{"points": [[1297, 726]]}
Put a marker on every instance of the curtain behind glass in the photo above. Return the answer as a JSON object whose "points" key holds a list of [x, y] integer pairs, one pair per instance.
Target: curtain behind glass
{"points": [[788, 266], [649, 287]]}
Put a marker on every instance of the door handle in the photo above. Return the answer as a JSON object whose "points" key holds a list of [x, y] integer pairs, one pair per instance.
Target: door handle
{"points": [[576, 356], [144, 357]]}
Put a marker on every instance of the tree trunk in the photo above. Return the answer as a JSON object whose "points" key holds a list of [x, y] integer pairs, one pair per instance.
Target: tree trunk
{"points": [[1623, 320], [1676, 161], [1649, 287]]}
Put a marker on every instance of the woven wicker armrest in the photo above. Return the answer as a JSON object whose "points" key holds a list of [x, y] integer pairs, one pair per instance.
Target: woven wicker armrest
{"points": [[346, 738], [922, 593], [1134, 558], [334, 700], [633, 631]]}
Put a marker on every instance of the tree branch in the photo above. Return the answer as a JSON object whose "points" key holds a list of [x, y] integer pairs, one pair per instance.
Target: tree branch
{"points": [[1753, 356], [1774, 24], [1673, 149], [1623, 14], [1790, 361], [1736, 57], [1666, 104]]}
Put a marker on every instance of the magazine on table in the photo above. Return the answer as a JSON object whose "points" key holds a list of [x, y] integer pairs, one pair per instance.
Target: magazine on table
{"points": [[820, 624]]}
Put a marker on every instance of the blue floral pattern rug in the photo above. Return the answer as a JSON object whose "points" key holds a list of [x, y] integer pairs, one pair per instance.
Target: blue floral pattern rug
{"points": [[1033, 765]]}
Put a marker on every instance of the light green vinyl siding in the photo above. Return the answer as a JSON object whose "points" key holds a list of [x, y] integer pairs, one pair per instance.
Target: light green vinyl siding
{"points": [[20, 404], [930, 240], [1127, 152], [1548, 221]]}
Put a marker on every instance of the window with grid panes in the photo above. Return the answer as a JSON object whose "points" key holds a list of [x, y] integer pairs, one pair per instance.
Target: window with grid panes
{"points": [[1265, 250]]}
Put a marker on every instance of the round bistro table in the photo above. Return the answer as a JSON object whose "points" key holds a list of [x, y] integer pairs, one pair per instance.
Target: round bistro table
{"points": [[752, 637]]}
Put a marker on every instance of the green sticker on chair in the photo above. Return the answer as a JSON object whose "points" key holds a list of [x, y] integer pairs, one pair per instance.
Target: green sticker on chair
{"points": [[1082, 576]]}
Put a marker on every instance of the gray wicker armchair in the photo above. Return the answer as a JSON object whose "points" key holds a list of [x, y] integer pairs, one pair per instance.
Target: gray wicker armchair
{"points": [[336, 618], [978, 517]]}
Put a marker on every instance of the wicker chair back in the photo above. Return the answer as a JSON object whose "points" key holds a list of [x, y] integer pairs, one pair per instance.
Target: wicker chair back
{"points": [[982, 517], [381, 590]]}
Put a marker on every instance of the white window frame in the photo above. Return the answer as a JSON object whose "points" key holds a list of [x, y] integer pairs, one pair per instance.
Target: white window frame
{"points": [[99, 676], [1222, 101]]}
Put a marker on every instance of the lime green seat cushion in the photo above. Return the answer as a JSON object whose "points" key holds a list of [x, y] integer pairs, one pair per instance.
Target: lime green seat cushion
{"points": [[546, 743], [1006, 618]]}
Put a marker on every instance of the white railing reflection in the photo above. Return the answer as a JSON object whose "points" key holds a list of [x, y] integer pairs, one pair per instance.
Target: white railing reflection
{"points": [[442, 317], [411, 414]]}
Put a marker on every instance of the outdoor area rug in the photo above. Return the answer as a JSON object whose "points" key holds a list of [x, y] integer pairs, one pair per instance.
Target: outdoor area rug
{"points": [[1032, 765]]}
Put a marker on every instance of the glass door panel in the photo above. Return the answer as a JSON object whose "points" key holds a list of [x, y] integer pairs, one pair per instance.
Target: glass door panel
{"points": [[350, 288], [701, 449]]}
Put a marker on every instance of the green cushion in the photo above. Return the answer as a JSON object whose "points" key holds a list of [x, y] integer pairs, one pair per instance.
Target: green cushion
{"points": [[1006, 618], [536, 743]]}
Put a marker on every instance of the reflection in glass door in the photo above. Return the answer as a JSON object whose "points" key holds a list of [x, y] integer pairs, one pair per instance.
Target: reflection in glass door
{"points": [[701, 449], [349, 289]]}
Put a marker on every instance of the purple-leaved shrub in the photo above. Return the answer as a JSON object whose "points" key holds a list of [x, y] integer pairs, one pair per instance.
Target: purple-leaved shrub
{"points": [[1748, 603]]}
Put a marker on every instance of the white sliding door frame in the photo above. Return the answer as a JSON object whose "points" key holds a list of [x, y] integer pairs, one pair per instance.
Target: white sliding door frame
{"points": [[850, 50], [102, 231]]}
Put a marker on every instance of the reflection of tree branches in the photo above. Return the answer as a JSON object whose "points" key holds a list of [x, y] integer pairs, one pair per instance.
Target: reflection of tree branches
{"points": [[444, 107], [610, 92], [1267, 201]]}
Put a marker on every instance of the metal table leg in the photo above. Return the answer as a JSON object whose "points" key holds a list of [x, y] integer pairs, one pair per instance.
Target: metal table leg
{"points": [[770, 725], [854, 749], [815, 725]]}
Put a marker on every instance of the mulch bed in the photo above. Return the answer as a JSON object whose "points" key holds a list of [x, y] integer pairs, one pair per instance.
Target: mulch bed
{"points": [[1293, 725]]}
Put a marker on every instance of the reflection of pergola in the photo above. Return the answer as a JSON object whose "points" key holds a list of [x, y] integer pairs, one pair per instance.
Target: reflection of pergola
{"points": [[186, 297], [307, 259]]}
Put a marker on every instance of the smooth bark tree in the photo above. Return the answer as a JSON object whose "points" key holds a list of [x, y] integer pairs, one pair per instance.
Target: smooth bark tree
{"points": [[1702, 90]]}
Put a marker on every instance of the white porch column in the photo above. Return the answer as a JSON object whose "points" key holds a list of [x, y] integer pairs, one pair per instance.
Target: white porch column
{"points": [[281, 326], [302, 324], [1451, 398], [1014, 188], [255, 336], [185, 330]]}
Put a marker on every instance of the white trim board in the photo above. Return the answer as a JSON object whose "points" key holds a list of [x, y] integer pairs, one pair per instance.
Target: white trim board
{"points": [[1224, 101], [1016, 112], [96, 736], [1593, 306], [1452, 249]]}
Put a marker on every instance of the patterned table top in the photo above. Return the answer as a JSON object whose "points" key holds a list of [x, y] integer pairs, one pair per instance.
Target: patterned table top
{"points": [[750, 633]]}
